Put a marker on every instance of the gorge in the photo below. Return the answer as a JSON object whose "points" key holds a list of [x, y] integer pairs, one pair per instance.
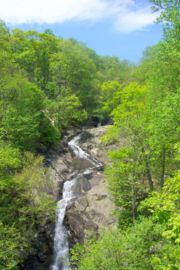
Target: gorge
{"points": [[75, 189], [74, 194]]}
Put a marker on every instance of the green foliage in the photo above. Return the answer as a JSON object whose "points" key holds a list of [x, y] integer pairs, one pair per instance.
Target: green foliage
{"points": [[129, 112], [135, 248], [36, 189], [12, 247], [26, 202], [72, 68], [10, 159], [66, 111], [111, 68], [111, 96], [169, 11], [21, 105], [111, 136], [155, 69], [125, 183], [49, 85], [49, 133], [164, 122], [165, 207], [142, 174]]}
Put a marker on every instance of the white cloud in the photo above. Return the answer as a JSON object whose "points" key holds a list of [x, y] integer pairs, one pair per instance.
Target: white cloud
{"points": [[126, 16], [135, 20]]}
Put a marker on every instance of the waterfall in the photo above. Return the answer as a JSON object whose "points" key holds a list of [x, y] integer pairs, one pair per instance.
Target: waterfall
{"points": [[61, 245], [61, 248]]}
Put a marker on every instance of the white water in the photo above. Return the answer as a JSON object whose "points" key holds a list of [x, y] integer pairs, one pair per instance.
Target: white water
{"points": [[79, 152], [61, 246]]}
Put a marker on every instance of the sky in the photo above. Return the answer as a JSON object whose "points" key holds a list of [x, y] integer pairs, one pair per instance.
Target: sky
{"points": [[122, 28]]}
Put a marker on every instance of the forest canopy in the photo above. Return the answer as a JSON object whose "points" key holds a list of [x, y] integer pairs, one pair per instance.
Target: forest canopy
{"points": [[143, 174], [49, 85]]}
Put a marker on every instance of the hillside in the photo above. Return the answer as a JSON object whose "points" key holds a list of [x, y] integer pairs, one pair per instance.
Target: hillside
{"points": [[101, 131]]}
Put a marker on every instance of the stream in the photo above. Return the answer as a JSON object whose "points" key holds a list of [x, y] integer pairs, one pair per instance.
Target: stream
{"points": [[61, 245]]}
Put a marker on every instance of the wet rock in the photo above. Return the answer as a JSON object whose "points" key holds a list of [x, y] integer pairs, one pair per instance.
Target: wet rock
{"points": [[84, 184], [80, 164], [67, 159], [78, 225], [85, 136]]}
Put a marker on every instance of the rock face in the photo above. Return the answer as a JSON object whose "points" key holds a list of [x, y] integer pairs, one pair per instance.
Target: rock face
{"points": [[93, 207], [42, 244], [92, 210]]}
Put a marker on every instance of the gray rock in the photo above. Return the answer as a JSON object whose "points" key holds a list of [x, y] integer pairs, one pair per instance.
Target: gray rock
{"points": [[81, 204], [92, 208], [84, 184]]}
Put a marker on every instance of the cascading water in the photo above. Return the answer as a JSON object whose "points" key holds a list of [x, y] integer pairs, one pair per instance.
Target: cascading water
{"points": [[61, 246]]}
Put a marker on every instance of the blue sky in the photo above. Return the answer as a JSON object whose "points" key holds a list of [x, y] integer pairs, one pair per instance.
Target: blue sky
{"points": [[122, 28]]}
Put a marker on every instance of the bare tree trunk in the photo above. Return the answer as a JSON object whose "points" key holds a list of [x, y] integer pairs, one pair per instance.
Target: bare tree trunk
{"points": [[133, 204], [148, 171], [163, 164], [148, 174]]}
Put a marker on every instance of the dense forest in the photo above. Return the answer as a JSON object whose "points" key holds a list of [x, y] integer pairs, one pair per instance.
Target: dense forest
{"points": [[49, 85]]}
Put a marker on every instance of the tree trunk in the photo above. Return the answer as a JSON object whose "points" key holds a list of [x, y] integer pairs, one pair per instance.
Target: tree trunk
{"points": [[148, 171], [163, 163], [133, 204]]}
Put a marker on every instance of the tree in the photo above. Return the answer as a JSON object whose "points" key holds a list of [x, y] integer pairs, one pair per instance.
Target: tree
{"points": [[169, 11], [131, 117], [111, 97], [21, 105], [66, 111], [164, 130], [124, 183], [130, 249], [165, 210], [33, 51], [12, 247], [10, 159], [71, 68], [26, 203]]}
